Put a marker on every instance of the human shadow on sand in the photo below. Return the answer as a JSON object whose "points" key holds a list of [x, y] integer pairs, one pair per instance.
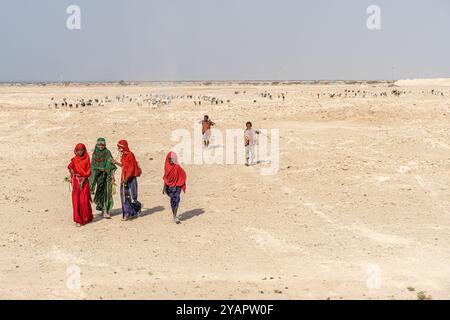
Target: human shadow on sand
{"points": [[147, 212], [118, 211], [190, 214], [215, 146]]}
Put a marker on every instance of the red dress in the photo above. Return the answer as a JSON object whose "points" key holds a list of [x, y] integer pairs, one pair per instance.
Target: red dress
{"points": [[81, 197]]}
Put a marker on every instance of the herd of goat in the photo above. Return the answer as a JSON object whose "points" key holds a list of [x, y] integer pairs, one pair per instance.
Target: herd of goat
{"points": [[157, 100]]}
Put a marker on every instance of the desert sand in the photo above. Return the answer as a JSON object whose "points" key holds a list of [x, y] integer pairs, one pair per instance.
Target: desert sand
{"points": [[359, 208]]}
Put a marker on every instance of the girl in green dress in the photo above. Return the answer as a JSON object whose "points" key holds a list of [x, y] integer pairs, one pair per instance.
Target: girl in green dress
{"points": [[102, 179]]}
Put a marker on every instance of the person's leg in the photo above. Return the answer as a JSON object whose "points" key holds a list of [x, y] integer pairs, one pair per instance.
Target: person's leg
{"points": [[174, 212], [175, 202], [134, 192], [109, 202], [76, 201], [85, 204], [178, 199], [252, 153], [123, 201], [95, 186], [101, 194], [247, 155], [136, 205], [208, 137]]}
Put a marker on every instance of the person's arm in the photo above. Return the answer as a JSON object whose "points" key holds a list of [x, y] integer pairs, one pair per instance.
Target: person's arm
{"points": [[164, 189], [110, 166], [92, 181], [82, 181], [72, 172], [71, 175], [112, 173], [116, 163], [212, 123]]}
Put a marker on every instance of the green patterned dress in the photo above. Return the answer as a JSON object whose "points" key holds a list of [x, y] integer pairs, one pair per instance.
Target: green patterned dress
{"points": [[100, 180]]}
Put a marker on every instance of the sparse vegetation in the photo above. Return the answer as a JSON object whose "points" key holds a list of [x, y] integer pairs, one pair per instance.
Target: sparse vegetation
{"points": [[422, 295], [278, 291]]}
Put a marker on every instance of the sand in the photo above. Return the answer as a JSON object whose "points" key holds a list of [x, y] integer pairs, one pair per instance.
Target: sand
{"points": [[439, 82], [359, 209]]}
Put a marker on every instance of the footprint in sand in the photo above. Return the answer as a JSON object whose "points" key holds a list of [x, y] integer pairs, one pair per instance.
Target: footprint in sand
{"points": [[424, 185], [407, 168], [382, 179], [403, 169], [58, 255], [384, 238], [268, 241]]}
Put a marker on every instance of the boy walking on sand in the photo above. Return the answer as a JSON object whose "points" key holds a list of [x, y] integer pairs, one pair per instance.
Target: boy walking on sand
{"points": [[206, 130], [250, 142]]}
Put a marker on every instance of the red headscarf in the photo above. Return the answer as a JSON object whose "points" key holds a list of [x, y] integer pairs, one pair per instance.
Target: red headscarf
{"points": [[81, 165], [174, 175], [130, 167]]}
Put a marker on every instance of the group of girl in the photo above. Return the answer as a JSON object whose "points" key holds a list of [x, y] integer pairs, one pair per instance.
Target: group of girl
{"points": [[96, 176]]}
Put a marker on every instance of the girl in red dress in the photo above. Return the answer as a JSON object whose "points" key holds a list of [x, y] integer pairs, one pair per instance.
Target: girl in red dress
{"points": [[174, 182], [80, 170], [131, 207]]}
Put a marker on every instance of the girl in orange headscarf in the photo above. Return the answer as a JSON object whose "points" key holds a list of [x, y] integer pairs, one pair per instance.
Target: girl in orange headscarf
{"points": [[131, 207], [174, 181], [79, 171]]}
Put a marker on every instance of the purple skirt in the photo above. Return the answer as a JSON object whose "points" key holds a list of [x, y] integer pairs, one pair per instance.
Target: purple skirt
{"points": [[128, 195]]}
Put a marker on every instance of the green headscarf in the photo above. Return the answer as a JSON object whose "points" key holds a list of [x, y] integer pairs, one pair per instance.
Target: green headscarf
{"points": [[100, 141], [102, 158]]}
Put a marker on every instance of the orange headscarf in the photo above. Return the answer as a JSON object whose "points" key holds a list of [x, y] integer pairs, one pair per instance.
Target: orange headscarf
{"points": [[130, 167], [81, 165], [174, 175]]}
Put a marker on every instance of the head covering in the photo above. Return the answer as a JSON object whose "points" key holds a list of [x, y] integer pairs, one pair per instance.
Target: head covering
{"points": [[130, 167], [81, 165], [174, 175], [124, 145], [101, 141], [101, 159]]}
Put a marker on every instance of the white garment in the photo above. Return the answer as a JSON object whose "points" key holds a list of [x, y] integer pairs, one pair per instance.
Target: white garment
{"points": [[250, 154], [250, 136], [207, 135]]}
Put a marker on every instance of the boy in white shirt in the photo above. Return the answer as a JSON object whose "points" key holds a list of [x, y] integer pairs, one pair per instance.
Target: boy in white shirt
{"points": [[250, 142]]}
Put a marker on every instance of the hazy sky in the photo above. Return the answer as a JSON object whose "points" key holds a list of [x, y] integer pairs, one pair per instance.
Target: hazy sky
{"points": [[223, 40]]}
